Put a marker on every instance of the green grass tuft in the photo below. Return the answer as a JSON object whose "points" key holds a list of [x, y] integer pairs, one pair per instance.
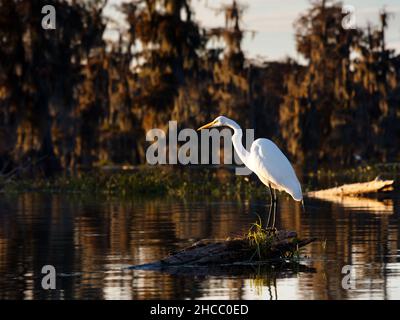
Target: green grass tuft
{"points": [[260, 239]]}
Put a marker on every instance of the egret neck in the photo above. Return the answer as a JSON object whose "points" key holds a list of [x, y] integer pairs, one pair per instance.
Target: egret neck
{"points": [[237, 141]]}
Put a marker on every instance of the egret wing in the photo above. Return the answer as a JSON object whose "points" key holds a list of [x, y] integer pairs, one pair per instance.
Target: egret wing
{"points": [[272, 166]]}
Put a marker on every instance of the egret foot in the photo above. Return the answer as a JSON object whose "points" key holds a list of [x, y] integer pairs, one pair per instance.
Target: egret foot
{"points": [[271, 230]]}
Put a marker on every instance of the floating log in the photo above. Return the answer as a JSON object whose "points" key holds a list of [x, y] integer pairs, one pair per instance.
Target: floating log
{"points": [[235, 251], [354, 189]]}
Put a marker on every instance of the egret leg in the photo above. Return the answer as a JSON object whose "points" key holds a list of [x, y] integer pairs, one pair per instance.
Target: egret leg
{"points": [[275, 206], [302, 206], [270, 205]]}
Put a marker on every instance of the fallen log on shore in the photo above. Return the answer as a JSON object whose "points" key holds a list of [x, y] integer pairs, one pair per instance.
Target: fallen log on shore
{"points": [[354, 189], [238, 251]]}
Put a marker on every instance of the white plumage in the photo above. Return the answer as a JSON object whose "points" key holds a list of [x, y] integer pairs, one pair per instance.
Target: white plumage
{"points": [[269, 163]]}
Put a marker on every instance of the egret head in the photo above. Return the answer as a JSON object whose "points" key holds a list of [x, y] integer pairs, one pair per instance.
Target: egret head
{"points": [[220, 121]]}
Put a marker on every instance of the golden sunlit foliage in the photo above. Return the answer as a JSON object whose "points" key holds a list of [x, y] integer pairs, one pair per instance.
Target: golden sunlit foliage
{"points": [[73, 100]]}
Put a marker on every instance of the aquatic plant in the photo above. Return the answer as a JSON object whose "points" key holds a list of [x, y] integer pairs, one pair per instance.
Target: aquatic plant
{"points": [[264, 240]]}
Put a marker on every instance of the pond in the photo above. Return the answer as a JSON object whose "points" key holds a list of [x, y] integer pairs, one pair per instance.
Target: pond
{"points": [[91, 240]]}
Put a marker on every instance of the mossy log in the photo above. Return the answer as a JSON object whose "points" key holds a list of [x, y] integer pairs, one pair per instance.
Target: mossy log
{"points": [[354, 189], [237, 251]]}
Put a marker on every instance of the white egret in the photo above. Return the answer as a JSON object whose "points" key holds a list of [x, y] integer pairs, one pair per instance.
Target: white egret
{"points": [[267, 161]]}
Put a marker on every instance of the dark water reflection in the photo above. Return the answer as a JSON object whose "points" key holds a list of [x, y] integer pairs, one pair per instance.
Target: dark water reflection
{"points": [[90, 241]]}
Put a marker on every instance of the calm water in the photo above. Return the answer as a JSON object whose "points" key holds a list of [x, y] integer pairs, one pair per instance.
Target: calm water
{"points": [[91, 241]]}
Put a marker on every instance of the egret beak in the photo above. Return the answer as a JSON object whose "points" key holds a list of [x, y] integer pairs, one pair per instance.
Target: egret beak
{"points": [[208, 125]]}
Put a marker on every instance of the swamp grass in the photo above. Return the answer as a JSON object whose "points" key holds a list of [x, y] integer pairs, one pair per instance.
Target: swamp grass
{"points": [[184, 181], [261, 240], [141, 182]]}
